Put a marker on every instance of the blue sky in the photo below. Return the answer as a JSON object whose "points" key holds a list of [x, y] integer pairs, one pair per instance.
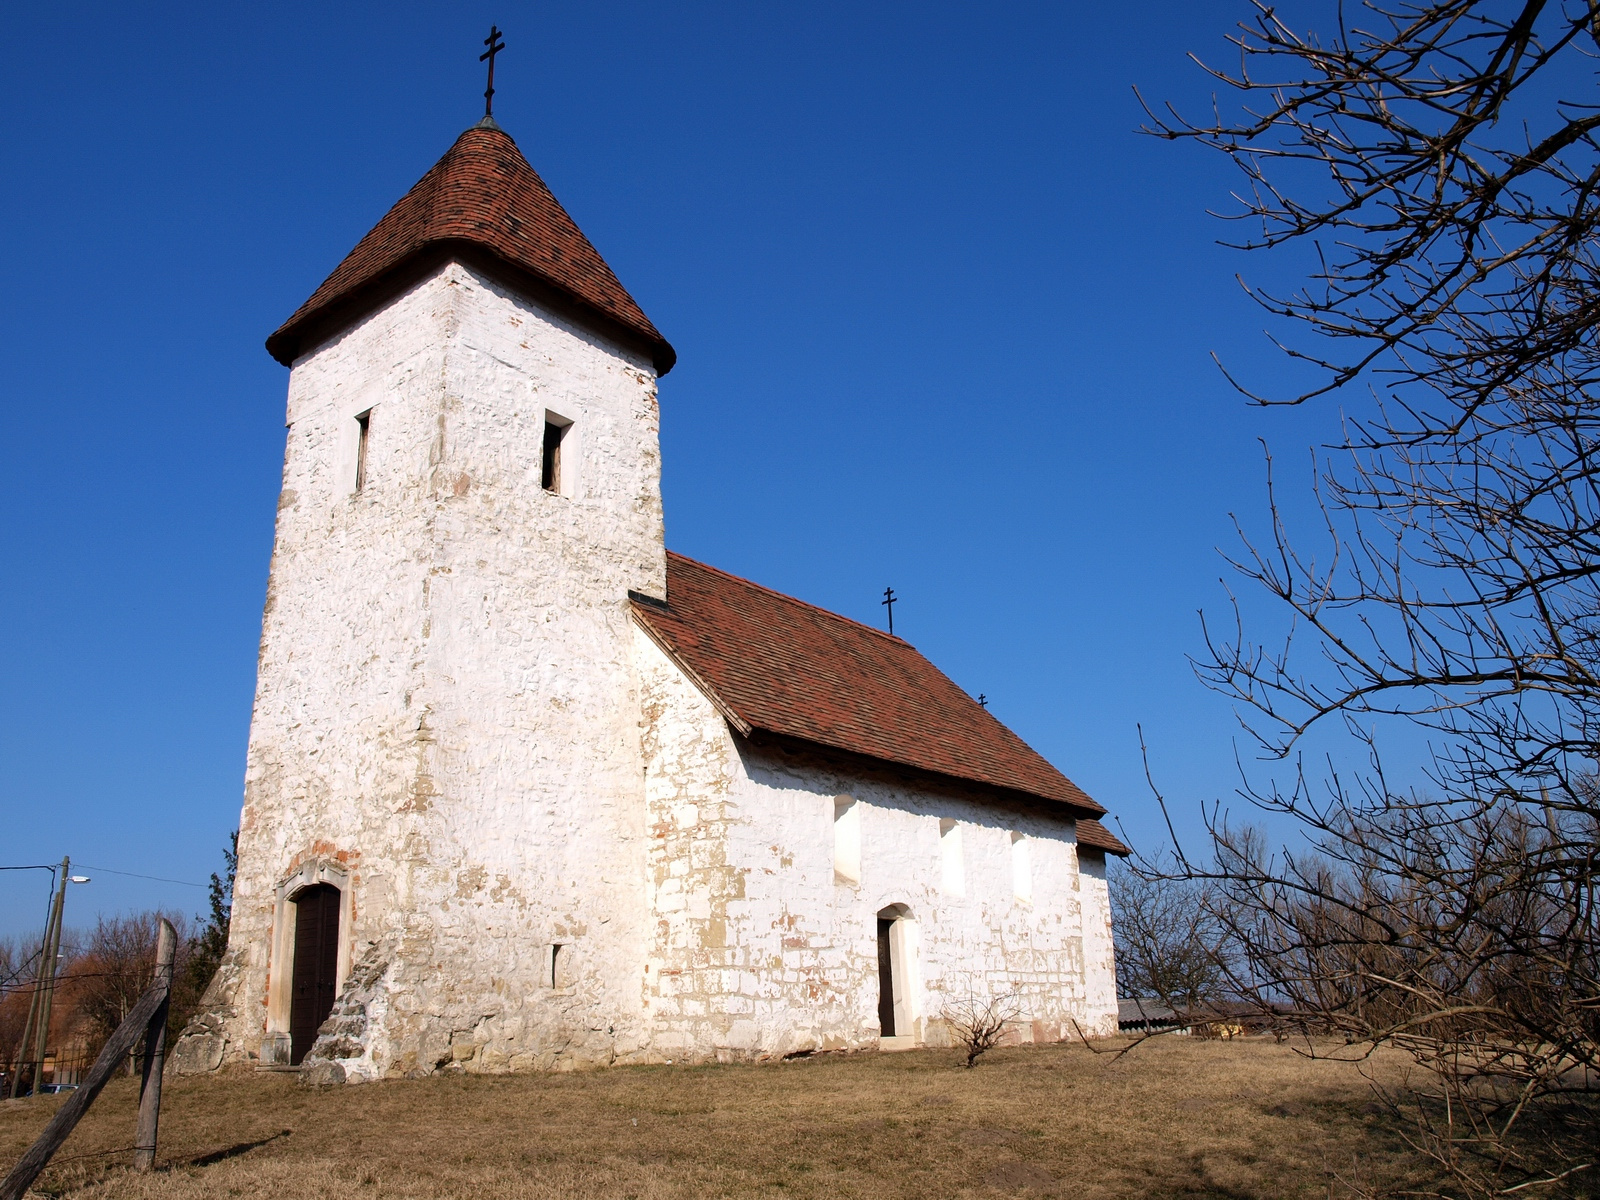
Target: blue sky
{"points": [[943, 320]]}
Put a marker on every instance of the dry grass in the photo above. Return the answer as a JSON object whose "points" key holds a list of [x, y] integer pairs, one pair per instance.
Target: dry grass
{"points": [[1179, 1117]]}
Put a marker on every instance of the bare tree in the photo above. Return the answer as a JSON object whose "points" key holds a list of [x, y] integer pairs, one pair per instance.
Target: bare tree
{"points": [[116, 968], [19, 965], [980, 1024], [1171, 943], [1439, 159]]}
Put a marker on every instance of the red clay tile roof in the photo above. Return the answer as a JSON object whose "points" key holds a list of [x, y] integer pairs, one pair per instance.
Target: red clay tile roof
{"points": [[775, 664], [1092, 833], [481, 203]]}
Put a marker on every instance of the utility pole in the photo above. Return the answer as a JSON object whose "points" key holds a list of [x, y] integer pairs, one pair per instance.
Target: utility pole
{"points": [[37, 1030], [47, 974], [27, 1028]]}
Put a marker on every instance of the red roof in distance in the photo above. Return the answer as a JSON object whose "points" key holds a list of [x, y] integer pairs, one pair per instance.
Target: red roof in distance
{"points": [[778, 665], [481, 204]]}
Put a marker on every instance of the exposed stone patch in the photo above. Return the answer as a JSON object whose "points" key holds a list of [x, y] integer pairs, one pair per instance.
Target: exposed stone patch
{"points": [[203, 1043], [346, 1050]]}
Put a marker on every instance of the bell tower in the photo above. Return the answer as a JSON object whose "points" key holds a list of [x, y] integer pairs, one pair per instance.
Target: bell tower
{"points": [[444, 767]]}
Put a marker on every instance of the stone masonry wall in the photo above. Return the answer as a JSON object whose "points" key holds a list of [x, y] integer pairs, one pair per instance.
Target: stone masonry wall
{"points": [[458, 723], [445, 707], [761, 950], [691, 975]]}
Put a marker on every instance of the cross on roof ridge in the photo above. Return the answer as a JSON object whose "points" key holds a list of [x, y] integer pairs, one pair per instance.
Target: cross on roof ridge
{"points": [[495, 44]]}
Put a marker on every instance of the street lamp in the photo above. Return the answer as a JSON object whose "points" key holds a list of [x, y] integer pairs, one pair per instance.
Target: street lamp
{"points": [[44, 989]]}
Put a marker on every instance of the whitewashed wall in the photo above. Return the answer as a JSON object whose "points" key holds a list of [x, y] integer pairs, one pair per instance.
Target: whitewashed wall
{"points": [[1100, 967], [445, 705], [761, 949], [458, 723]]}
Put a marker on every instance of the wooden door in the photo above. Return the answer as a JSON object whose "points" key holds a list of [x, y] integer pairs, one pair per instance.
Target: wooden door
{"points": [[316, 963], [885, 978]]}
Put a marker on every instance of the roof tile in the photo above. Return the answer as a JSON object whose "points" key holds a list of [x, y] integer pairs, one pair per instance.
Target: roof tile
{"points": [[482, 197], [1092, 833], [779, 665]]}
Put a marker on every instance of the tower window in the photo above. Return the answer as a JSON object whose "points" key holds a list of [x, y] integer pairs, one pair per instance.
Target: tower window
{"points": [[555, 431], [363, 427]]}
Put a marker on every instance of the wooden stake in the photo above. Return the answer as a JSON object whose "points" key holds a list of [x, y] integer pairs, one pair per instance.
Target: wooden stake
{"points": [[155, 1052], [16, 1184]]}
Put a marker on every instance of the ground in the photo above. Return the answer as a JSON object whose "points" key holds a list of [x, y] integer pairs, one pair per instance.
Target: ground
{"points": [[1178, 1117]]}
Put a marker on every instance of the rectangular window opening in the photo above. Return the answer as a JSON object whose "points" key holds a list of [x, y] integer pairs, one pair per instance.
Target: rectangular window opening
{"points": [[363, 427], [554, 432], [557, 966]]}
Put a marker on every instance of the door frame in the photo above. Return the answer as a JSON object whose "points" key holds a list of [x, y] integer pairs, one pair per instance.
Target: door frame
{"points": [[280, 966], [905, 945]]}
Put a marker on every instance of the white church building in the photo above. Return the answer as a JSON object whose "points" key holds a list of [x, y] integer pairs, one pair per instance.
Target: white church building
{"points": [[526, 790]]}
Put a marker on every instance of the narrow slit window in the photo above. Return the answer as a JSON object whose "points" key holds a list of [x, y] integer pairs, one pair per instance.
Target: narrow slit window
{"points": [[556, 965], [363, 428], [554, 432]]}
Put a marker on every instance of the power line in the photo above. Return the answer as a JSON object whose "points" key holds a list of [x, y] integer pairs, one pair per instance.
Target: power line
{"points": [[9, 982], [132, 875], [134, 973]]}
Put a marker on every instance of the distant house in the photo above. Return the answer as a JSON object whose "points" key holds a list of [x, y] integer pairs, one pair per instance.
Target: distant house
{"points": [[1139, 1015]]}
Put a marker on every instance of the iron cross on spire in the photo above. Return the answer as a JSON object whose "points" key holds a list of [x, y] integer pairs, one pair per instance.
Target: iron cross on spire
{"points": [[495, 46], [888, 602]]}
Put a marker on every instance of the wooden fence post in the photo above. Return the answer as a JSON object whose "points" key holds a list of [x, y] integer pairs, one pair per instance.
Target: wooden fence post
{"points": [[155, 1052], [15, 1185]]}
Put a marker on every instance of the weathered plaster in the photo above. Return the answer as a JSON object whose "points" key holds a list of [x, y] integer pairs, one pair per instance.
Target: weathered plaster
{"points": [[762, 948], [445, 700], [458, 723]]}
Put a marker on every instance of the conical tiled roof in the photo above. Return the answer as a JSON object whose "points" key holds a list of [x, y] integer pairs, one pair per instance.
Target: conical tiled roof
{"points": [[481, 204]]}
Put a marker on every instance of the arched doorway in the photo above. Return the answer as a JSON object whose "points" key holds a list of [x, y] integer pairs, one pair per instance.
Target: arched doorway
{"points": [[316, 965], [897, 944]]}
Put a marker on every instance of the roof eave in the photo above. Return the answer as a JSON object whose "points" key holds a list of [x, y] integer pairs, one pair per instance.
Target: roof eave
{"points": [[1067, 808], [1112, 845], [641, 608], [307, 330], [665, 646]]}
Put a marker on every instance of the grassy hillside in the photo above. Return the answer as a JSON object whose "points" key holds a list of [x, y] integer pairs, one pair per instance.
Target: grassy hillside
{"points": [[1179, 1117]]}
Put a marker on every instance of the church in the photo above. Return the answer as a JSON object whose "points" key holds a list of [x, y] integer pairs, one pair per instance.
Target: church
{"points": [[526, 790]]}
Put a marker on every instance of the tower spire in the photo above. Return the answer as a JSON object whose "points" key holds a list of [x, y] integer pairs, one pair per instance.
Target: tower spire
{"points": [[493, 41]]}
